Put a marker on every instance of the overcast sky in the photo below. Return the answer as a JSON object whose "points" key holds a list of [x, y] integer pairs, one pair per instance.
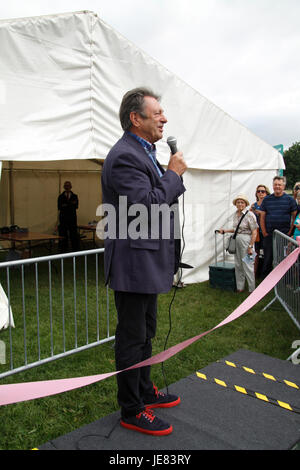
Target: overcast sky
{"points": [[243, 55]]}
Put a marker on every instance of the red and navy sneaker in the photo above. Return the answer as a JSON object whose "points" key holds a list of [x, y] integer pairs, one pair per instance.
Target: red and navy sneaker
{"points": [[147, 423], [161, 400]]}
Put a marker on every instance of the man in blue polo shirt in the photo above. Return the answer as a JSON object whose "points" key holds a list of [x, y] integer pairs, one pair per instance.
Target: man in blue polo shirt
{"points": [[278, 211]]}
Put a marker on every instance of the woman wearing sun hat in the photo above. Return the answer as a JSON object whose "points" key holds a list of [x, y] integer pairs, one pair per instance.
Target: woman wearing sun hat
{"points": [[245, 240]]}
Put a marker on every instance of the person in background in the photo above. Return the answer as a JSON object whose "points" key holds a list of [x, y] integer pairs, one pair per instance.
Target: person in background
{"points": [[261, 192], [297, 226], [295, 235], [245, 240], [298, 201], [277, 212], [67, 204], [296, 191]]}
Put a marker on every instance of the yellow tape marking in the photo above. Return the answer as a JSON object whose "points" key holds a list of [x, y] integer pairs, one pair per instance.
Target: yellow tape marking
{"points": [[261, 396], [220, 382], [268, 376], [230, 364], [291, 384], [285, 405], [202, 376]]}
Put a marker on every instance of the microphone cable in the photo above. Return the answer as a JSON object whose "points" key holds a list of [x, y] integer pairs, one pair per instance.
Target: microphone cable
{"points": [[174, 294]]}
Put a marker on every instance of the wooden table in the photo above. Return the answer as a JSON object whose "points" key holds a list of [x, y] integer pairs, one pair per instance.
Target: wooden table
{"points": [[89, 228], [29, 237]]}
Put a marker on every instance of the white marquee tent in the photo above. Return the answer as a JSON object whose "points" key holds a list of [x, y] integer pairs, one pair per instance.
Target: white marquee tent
{"points": [[62, 78]]}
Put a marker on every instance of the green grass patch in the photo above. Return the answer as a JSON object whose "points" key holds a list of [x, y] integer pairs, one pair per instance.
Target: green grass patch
{"points": [[196, 309]]}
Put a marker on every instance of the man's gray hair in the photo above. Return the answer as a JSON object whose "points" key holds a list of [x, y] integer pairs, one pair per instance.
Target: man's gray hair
{"points": [[281, 178], [133, 101]]}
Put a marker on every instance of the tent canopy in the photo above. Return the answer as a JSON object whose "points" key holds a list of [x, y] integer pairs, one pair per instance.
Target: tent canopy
{"points": [[61, 83], [62, 80]]}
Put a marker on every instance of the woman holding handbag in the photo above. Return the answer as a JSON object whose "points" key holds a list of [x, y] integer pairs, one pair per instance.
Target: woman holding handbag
{"points": [[245, 232]]}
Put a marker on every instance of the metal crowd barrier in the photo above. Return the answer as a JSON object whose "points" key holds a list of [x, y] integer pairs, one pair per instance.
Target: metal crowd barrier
{"points": [[58, 306], [287, 290]]}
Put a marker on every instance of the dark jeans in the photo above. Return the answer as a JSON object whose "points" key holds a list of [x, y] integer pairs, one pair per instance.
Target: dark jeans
{"points": [[268, 256], [135, 329]]}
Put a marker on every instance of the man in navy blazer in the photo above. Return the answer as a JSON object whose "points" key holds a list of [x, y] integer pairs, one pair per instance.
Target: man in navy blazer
{"points": [[140, 263]]}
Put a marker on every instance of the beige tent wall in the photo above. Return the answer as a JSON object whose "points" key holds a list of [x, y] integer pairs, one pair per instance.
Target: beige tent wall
{"points": [[29, 192]]}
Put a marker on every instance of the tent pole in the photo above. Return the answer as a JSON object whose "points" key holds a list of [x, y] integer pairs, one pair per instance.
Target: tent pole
{"points": [[11, 195]]}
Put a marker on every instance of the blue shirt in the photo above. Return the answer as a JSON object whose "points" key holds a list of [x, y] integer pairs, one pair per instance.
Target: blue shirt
{"points": [[278, 212], [150, 150]]}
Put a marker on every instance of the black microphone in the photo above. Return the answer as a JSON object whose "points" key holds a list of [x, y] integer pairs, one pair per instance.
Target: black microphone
{"points": [[172, 143]]}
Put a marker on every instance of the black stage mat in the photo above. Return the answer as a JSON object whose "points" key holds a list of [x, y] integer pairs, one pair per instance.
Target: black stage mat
{"points": [[211, 416]]}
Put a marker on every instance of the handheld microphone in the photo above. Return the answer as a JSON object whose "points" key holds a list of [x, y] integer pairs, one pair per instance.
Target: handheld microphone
{"points": [[172, 143]]}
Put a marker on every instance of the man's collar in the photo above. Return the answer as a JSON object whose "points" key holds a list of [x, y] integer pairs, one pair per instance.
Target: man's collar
{"points": [[144, 142]]}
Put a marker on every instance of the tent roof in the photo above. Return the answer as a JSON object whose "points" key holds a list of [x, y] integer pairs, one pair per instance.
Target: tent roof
{"points": [[62, 80]]}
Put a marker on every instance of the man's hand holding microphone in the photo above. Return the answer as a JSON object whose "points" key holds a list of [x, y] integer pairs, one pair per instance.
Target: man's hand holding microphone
{"points": [[176, 162]]}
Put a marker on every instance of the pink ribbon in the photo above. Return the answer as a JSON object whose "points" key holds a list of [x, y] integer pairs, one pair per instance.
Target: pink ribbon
{"points": [[14, 393]]}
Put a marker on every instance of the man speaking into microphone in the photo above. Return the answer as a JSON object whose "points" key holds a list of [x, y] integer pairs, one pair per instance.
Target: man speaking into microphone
{"points": [[139, 269]]}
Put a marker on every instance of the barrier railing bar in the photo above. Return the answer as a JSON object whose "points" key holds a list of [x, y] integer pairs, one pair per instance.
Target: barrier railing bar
{"points": [[63, 302], [86, 305], [9, 317], [38, 303], [97, 298], [75, 299], [37, 309], [57, 356], [24, 314], [107, 311], [41, 259], [50, 307]]}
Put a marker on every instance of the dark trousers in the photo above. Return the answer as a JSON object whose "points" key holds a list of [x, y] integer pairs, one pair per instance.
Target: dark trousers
{"points": [[68, 229], [135, 329], [268, 255]]}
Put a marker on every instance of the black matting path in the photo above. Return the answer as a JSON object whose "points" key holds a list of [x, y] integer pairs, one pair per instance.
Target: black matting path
{"points": [[210, 416]]}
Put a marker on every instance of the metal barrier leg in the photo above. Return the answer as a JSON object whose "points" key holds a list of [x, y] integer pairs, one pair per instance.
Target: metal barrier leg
{"points": [[270, 303], [294, 357]]}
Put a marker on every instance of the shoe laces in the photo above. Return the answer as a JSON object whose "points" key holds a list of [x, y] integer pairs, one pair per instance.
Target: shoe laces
{"points": [[157, 392], [148, 414]]}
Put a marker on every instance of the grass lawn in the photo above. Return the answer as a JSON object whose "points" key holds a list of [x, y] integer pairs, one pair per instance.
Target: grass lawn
{"points": [[197, 308]]}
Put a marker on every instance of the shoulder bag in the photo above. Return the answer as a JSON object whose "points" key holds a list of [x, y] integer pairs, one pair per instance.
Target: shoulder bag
{"points": [[231, 247]]}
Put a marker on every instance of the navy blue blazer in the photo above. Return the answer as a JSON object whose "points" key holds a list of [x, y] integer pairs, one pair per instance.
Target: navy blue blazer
{"points": [[139, 265]]}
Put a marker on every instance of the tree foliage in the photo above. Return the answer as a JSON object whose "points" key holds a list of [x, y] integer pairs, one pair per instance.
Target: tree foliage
{"points": [[292, 164]]}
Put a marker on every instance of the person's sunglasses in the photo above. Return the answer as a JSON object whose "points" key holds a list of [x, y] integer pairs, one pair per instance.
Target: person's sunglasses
{"points": [[297, 188], [261, 191]]}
